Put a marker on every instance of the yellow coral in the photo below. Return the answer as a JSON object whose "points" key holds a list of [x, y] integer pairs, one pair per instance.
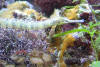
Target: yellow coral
{"points": [[68, 41], [7, 14], [32, 11], [22, 8], [18, 5], [71, 13], [55, 42], [62, 64]]}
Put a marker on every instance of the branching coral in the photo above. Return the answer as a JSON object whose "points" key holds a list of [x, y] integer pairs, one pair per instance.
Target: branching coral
{"points": [[68, 41]]}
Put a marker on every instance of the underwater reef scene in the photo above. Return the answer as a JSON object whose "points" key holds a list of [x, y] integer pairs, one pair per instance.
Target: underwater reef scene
{"points": [[49, 33]]}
